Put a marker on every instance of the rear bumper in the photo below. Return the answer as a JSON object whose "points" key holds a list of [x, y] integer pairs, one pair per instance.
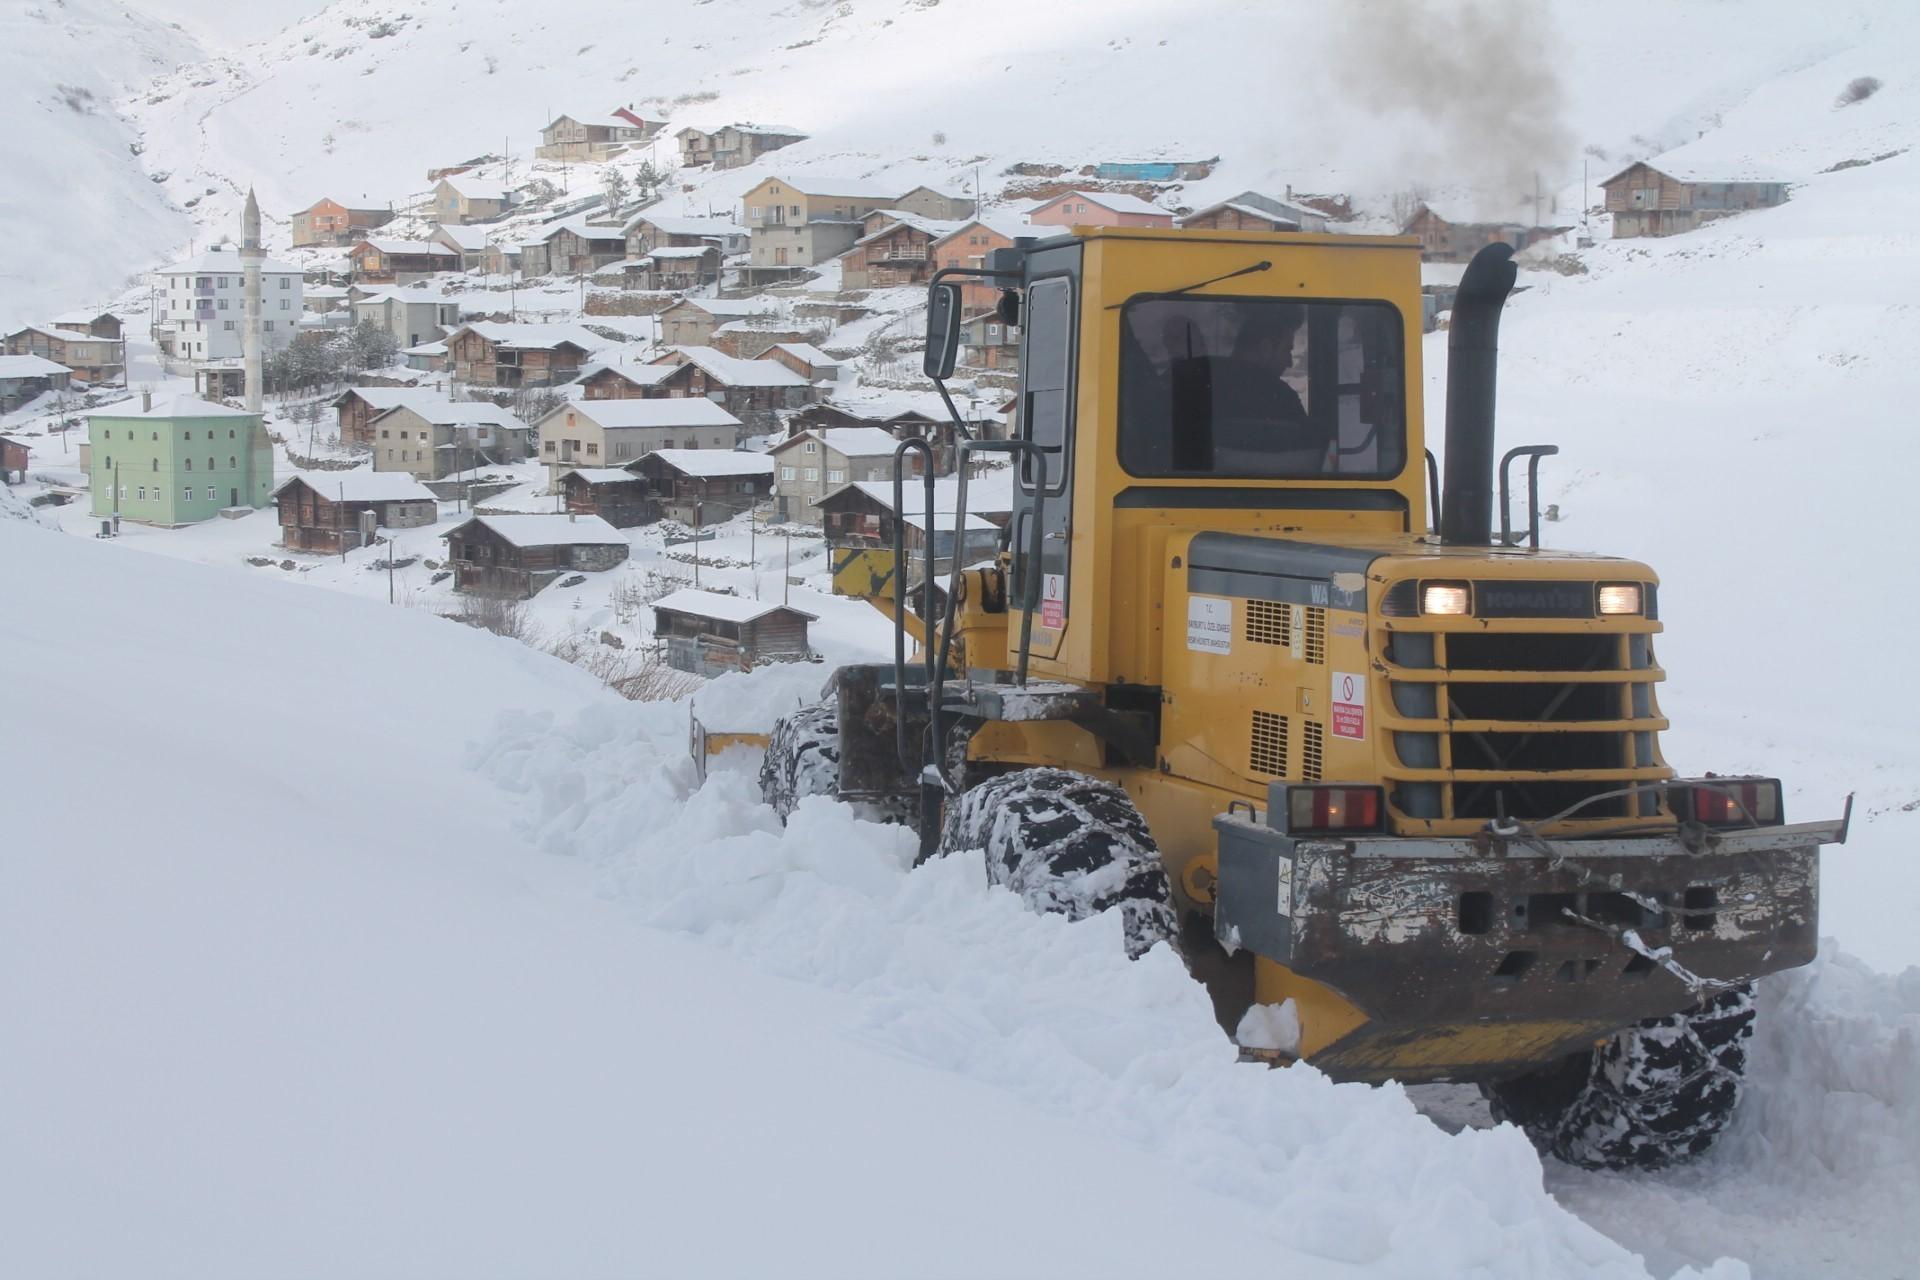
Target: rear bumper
{"points": [[1466, 958]]}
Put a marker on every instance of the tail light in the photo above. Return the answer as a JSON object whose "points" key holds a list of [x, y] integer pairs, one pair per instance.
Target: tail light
{"points": [[1728, 802], [1317, 809]]}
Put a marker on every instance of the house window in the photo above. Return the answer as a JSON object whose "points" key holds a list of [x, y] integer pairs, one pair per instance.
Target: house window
{"points": [[229, 325], [230, 434], [189, 463], [222, 282], [287, 306], [755, 212], [186, 493], [123, 493], [547, 447], [593, 450], [993, 331], [186, 435], [210, 496], [786, 473], [222, 304], [812, 473], [142, 492], [836, 477], [156, 464], [106, 435], [269, 326], [385, 435], [231, 462], [211, 464], [813, 446], [284, 281]]}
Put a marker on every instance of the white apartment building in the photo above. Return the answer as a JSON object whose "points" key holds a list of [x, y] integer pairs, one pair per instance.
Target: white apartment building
{"points": [[200, 305]]}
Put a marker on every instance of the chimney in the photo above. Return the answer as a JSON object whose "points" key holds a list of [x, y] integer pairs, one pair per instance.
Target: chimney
{"points": [[146, 402], [1473, 353]]}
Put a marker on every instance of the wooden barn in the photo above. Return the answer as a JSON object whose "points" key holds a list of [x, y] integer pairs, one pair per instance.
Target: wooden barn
{"points": [[336, 513], [711, 634], [619, 497], [721, 482], [1452, 239], [13, 460], [517, 555], [1646, 201]]}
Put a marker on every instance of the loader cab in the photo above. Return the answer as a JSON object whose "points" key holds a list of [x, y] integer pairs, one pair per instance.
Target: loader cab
{"points": [[1228, 381]]}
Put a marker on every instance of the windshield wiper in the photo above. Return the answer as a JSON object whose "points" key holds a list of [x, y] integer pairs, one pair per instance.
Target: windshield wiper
{"points": [[1201, 284]]}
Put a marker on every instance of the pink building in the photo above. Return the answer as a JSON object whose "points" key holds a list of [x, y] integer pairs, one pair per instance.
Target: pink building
{"points": [[1099, 209]]}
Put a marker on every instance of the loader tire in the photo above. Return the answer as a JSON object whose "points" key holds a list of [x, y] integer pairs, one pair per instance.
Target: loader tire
{"points": [[1068, 845], [1654, 1094], [803, 758]]}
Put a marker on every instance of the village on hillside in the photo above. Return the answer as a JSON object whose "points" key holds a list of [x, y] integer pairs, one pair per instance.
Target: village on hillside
{"points": [[554, 387]]}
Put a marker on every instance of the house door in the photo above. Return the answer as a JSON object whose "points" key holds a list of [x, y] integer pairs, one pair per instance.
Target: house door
{"points": [[233, 497], [779, 257]]}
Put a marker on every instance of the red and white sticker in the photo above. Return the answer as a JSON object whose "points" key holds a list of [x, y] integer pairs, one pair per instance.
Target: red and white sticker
{"points": [[1053, 601], [1348, 701]]}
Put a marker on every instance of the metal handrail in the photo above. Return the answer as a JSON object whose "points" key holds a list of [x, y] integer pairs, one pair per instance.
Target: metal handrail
{"points": [[914, 444], [1532, 453]]}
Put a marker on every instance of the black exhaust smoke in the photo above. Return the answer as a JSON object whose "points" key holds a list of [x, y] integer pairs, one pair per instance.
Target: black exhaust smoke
{"points": [[1473, 353]]}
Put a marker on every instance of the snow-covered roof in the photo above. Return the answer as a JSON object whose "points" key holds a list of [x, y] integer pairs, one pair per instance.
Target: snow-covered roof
{"points": [[425, 349], [603, 475], [854, 442], [542, 337], [817, 184], [1294, 218], [227, 260], [684, 251], [546, 530], [717, 307], [1684, 169], [675, 411], [724, 608], [735, 372], [579, 225], [81, 317], [599, 119], [643, 375], [944, 519], [1117, 201], [170, 404], [807, 353], [712, 463], [384, 398], [680, 225], [442, 412], [934, 228], [1000, 224], [383, 245], [363, 486], [30, 367], [476, 188], [402, 294], [783, 130], [321, 292], [472, 239]]}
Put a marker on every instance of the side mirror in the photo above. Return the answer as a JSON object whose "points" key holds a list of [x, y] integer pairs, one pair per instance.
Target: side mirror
{"points": [[943, 330]]}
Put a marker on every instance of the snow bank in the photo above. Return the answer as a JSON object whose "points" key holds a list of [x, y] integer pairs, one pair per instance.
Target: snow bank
{"points": [[947, 972]]}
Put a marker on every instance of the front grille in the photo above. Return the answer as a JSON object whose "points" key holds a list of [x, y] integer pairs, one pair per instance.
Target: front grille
{"points": [[1270, 622], [1501, 718]]}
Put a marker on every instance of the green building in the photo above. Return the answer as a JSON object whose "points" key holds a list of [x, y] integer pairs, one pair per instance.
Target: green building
{"points": [[172, 459]]}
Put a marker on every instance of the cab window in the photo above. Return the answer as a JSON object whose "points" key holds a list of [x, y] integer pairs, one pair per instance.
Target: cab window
{"points": [[1264, 388]]}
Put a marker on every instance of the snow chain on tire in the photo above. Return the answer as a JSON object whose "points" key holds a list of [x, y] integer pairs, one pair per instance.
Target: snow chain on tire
{"points": [[1069, 845], [1655, 1093], [803, 758]]}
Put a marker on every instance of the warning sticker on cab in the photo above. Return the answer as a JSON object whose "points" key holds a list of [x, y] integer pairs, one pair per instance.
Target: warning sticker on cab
{"points": [[1209, 624], [1053, 601], [1348, 704]]}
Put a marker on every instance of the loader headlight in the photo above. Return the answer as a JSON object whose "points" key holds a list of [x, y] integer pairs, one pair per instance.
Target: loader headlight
{"points": [[1445, 598], [1619, 598], [1330, 809], [1727, 802]]}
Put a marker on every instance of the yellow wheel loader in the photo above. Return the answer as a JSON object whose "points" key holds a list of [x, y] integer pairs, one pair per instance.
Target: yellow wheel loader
{"points": [[1390, 781]]}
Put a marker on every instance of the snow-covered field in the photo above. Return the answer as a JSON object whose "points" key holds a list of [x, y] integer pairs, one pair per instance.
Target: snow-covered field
{"points": [[336, 939]]}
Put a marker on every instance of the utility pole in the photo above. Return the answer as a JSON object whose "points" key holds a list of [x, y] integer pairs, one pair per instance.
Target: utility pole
{"points": [[340, 520], [786, 578], [698, 508], [389, 568], [753, 550]]}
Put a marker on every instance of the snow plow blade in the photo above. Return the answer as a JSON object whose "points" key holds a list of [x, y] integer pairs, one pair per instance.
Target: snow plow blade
{"points": [[1477, 958]]}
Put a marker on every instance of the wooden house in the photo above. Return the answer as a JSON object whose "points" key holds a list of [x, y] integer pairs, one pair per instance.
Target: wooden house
{"points": [[84, 356], [492, 354], [334, 513], [690, 322], [615, 495], [95, 324], [743, 143], [13, 460], [934, 205], [814, 463], [24, 377], [898, 252], [696, 146], [500, 258], [1251, 211], [710, 634], [861, 516], [1646, 201], [720, 482], [807, 360], [618, 380], [593, 137], [757, 337], [357, 407], [988, 342], [751, 390], [650, 230], [461, 198], [516, 555], [572, 246], [377, 260], [328, 222], [674, 269], [1445, 239]]}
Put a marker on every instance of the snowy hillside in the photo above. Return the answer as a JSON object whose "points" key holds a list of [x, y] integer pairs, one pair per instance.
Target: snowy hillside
{"points": [[79, 213]]}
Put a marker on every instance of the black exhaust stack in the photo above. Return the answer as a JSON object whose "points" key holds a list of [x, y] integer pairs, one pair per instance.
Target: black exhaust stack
{"points": [[1473, 354]]}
